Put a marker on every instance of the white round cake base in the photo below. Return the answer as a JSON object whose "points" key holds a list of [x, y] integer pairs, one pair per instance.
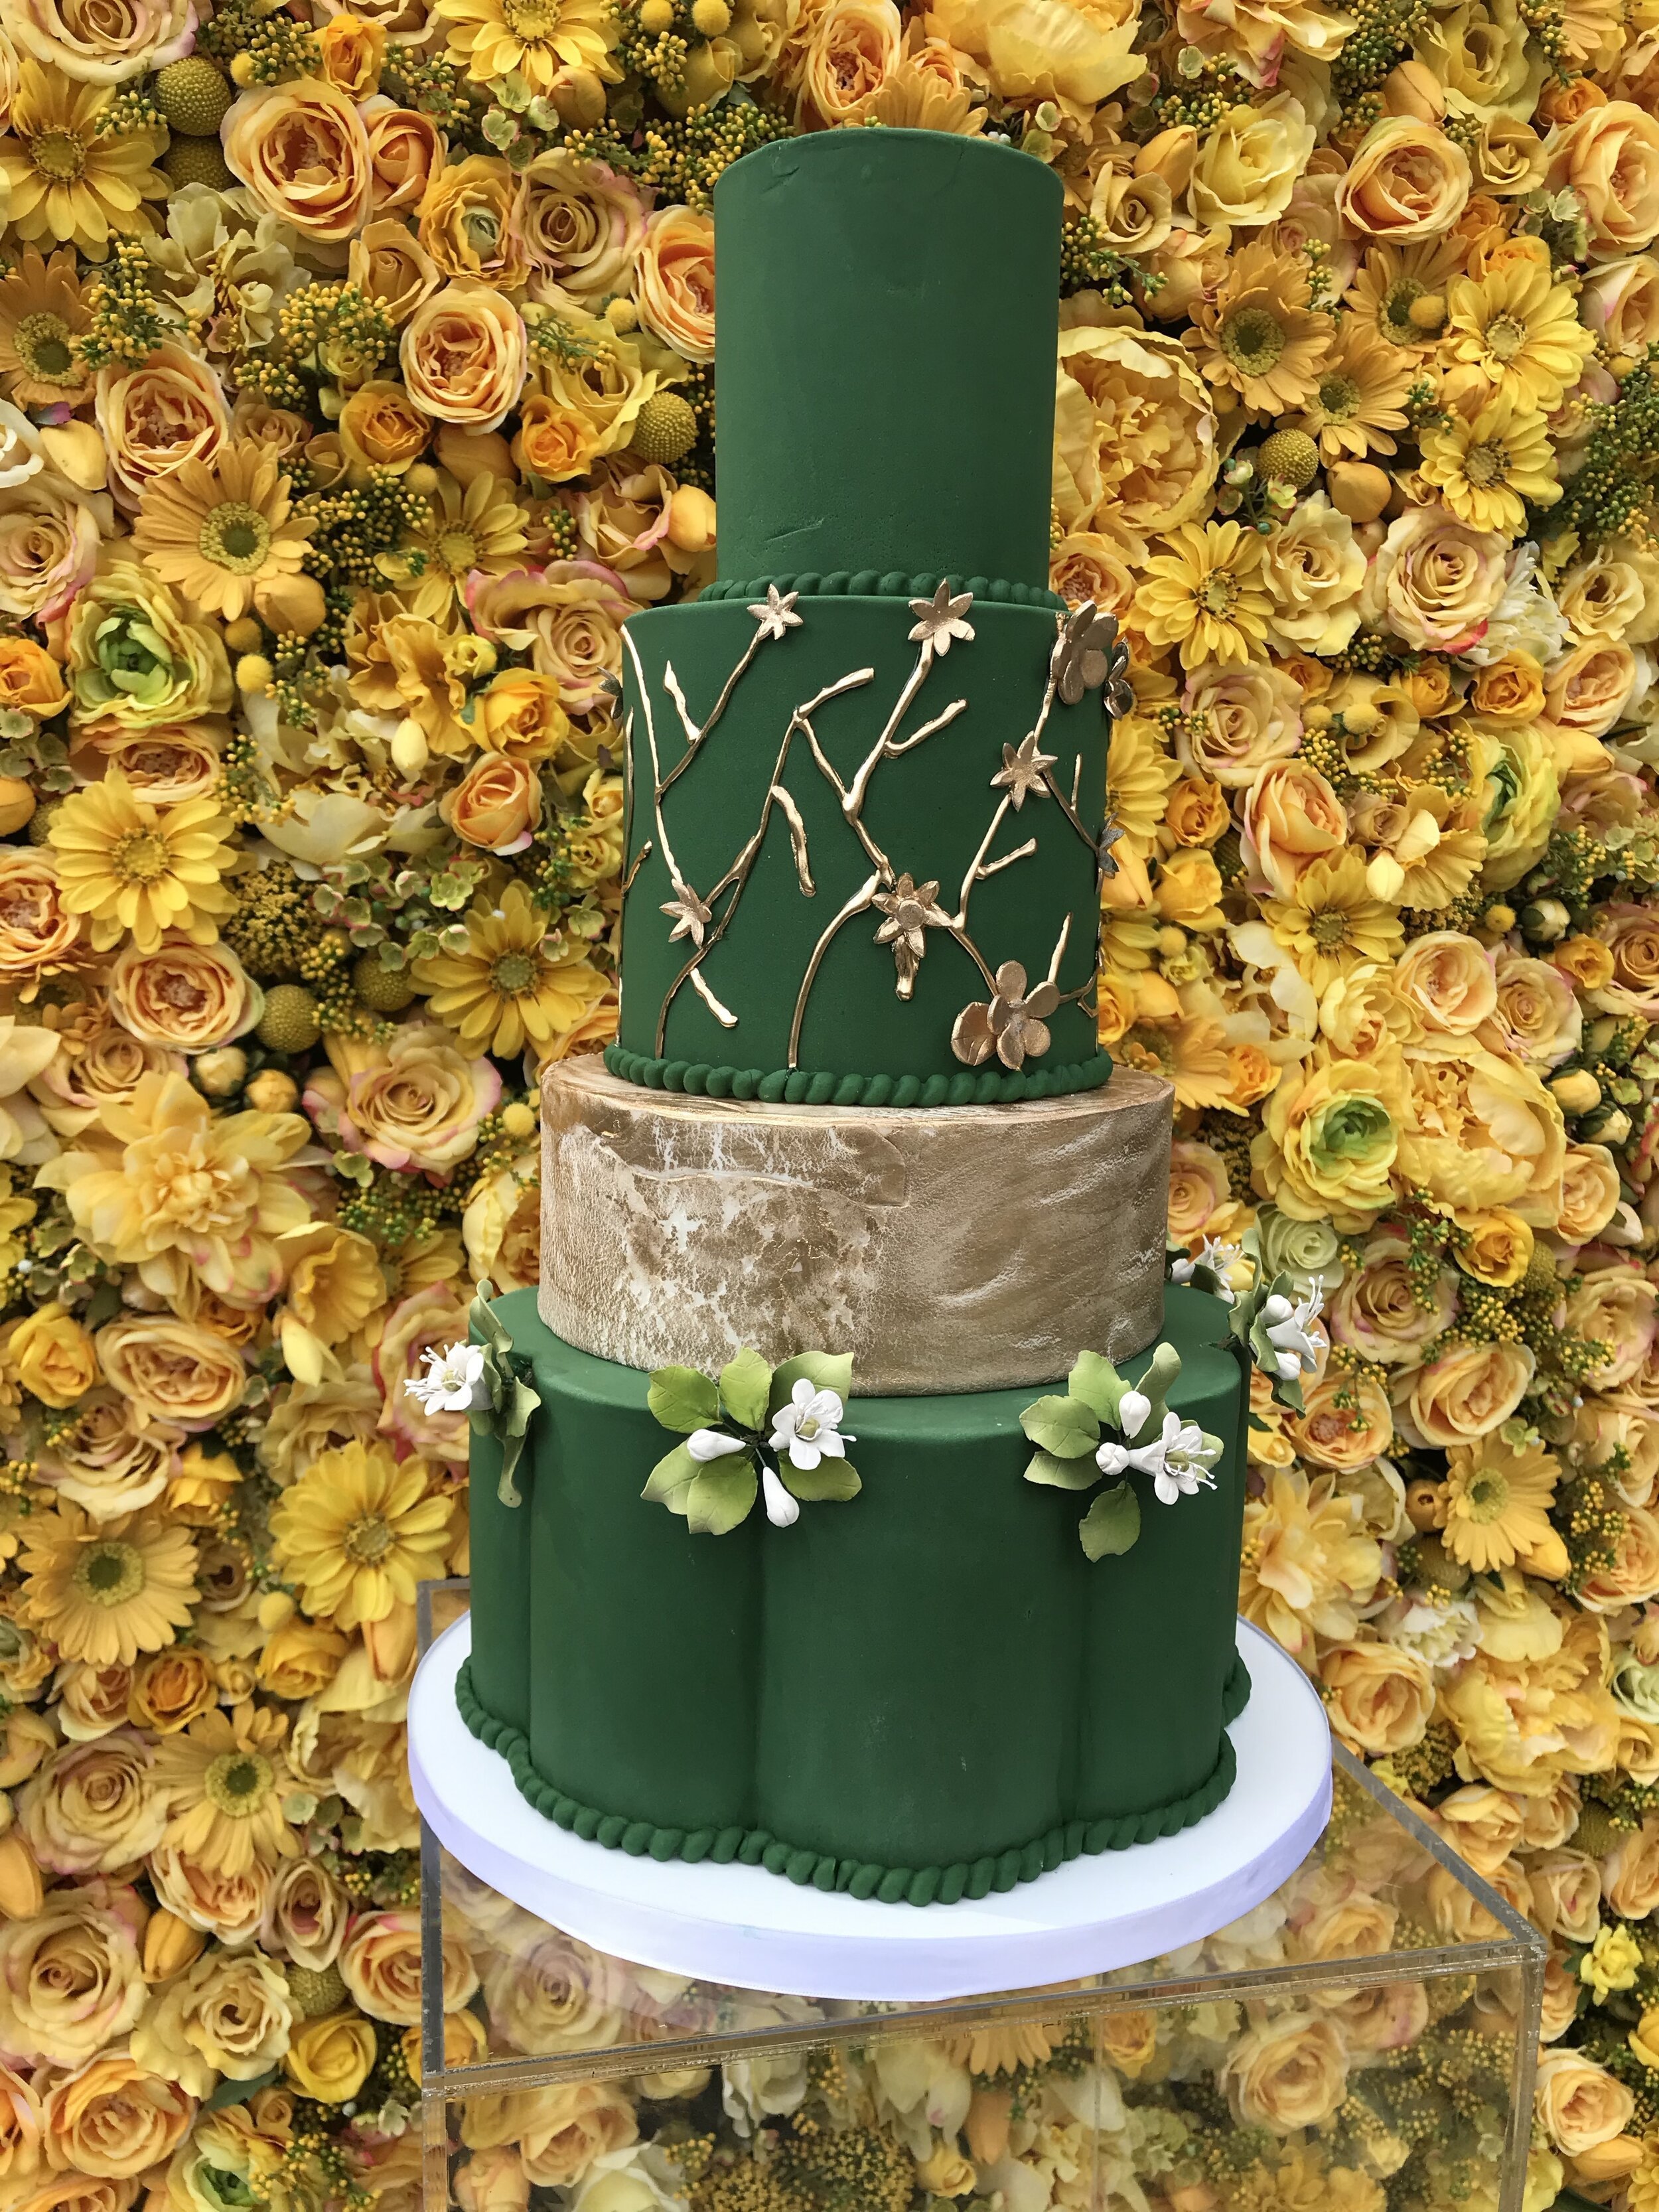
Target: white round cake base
{"points": [[742, 1925]]}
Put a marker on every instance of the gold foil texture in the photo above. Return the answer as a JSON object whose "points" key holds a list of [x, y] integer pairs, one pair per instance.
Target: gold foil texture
{"points": [[968, 1247]]}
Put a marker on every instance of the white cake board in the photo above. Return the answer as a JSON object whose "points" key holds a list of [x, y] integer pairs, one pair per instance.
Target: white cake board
{"points": [[742, 1925]]}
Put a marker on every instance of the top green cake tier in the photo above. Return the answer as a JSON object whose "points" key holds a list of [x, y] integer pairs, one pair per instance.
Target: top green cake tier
{"points": [[887, 308]]}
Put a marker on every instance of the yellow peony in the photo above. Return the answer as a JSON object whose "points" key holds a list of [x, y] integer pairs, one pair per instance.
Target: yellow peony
{"points": [[358, 1530], [1482, 1132]]}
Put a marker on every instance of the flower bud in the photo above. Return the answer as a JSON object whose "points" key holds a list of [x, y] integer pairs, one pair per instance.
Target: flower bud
{"points": [[1608, 2161], [1545, 919], [22, 1891], [291, 602], [1576, 1092], [1356, 490], [271, 1091], [691, 519], [222, 1072], [469, 454], [1611, 1127], [170, 1946], [1411, 89], [579, 95], [77, 450], [1169, 155], [1423, 1502], [17, 803], [1133, 1407]]}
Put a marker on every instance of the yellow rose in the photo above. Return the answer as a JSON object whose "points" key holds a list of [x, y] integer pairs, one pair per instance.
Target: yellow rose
{"points": [[170, 1689], [70, 1980], [1618, 1307], [38, 937], [381, 427], [1464, 1395], [1481, 1132], [302, 150], [1380, 1697], [230, 2014], [51, 1355], [31, 681], [1481, 1824], [502, 1226], [1449, 981], [1313, 568], [169, 409], [1610, 159], [493, 2181], [674, 281], [496, 806], [1590, 1193], [331, 2059], [1330, 1133], [1289, 816], [1248, 163], [1536, 1018], [388, 265], [301, 1659], [172, 1371], [1497, 1247], [1580, 2103], [1407, 181], [183, 996], [1287, 2074], [352, 53], [463, 357], [1376, 1308], [853, 47], [470, 223], [1044, 48], [113, 2119]]}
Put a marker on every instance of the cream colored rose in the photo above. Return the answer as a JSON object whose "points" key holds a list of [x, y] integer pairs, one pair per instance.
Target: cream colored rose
{"points": [[113, 2119], [49, 543], [1133, 213], [463, 357], [381, 1965], [183, 996], [551, 1993], [71, 1981], [414, 1101], [1248, 163], [1134, 432], [1464, 1395], [1600, 600], [1287, 2074], [94, 1807], [1631, 933], [1566, 1894], [1618, 1308], [1379, 1697], [674, 281], [1434, 581], [1406, 181], [154, 417], [1580, 2103], [172, 1371], [1376, 1309], [1235, 721], [1313, 568], [1450, 981], [302, 150], [391, 267], [1590, 1193], [1588, 689], [1610, 159], [852, 49], [1621, 301], [573, 2125], [1537, 1017], [583, 225], [230, 2014]]}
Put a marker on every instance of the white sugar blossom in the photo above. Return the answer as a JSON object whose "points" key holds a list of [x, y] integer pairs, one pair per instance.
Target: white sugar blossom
{"points": [[809, 1427], [1179, 1459], [1216, 1255], [782, 1509], [1289, 1332], [705, 1444], [453, 1382]]}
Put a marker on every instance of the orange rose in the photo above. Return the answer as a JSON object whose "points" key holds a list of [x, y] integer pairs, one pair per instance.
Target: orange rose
{"points": [[463, 355], [555, 442], [497, 805], [674, 281], [157, 416], [302, 150], [31, 681], [381, 427], [353, 52], [1610, 159]]}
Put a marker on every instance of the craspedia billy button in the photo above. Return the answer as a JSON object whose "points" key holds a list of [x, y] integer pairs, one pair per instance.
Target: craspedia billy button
{"points": [[1290, 457], [665, 428], [197, 162], [193, 97], [383, 990], [289, 1023]]}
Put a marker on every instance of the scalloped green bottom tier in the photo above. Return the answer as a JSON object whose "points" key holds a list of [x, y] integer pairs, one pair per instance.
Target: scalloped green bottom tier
{"points": [[928, 1693]]}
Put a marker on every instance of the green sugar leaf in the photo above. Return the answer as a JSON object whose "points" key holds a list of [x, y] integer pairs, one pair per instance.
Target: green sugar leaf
{"points": [[745, 1386], [671, 1478], [824, 1371], [682, 1399], [722, 1497], [1098, 1384], [1065, 1426], [1111, 1523], [831, 1479], [1062, 1474]]}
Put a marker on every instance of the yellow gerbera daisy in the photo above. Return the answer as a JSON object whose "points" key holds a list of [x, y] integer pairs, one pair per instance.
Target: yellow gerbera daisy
{"points": [[224, 1779], [1259, 335], [1331, 921], [1496, 1502], [540, 39], [358, 1530], [42, 318], [106, 1590], [482, 527], [1191, 1052], [1518, 333], [1487, 469], [219, 530], [140, 870], [1205, 594], [67, 179], [1400, 293], [1358, 400], [513, 983]]}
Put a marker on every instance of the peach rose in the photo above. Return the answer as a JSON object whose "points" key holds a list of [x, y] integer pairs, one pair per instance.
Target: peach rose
{"points": [[71, 1981], [1345, 1423], [496, 806], [463, 357], [112, 1460], [37, 937], [1621, 301], [1407, 180], [154, 418], [575, 2123], [1580, 2103], [113, 2119], [405, 152], [1631, 934], [1376, 1309], [1537, 1017], [1610, 159], [1289, 817], [1510, 690], [93, 1807], [306, 1921], [381, 427], [1587, 689], [1632, 1576], [164, 766], [1566, 1894], [1434, 581], [302, 150], [416, 1101], [48, 548], [1465, 1393], [183, 996], [567, 617], [1379, 1697], [20, 2123], [1287, 2074], [852, 48], [1615, 1307], [1481, 1824], [1590, 1193], [172, 1371], [1449, 981], [1236, 721], [674, 281], [551, 1993], [51, 1355], [583, 224], [381, 1966]]}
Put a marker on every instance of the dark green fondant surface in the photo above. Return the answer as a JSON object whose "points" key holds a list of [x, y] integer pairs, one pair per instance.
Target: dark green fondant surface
{"points": [[931, 1678], [886, 303], [927, 810]]}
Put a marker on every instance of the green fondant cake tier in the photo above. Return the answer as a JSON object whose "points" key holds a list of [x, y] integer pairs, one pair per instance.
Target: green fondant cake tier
{"points": [[861, 864], [887, 305], [928, 1690]]}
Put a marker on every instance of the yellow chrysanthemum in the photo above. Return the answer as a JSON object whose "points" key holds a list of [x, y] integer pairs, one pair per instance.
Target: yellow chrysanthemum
{"points": [[43, 318], [1205, 594], [358, 1530], [219, 530], [1331, 921], [1400, 293], [1359, 401], [223, 1778], [1518, 333], [65, 177], [539, 40], [1487, 469], [514, 983], [1496, 1502], [1190, 1053], [137, 869], [1259, 336], [105, 1591], [480, 528]]}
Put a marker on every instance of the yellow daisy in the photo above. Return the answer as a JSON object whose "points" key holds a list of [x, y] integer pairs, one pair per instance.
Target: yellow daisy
{"points": [[1331, 921], [1359, 401], [1190, 1053], [1259, 335], [513, 983], [43, 317], [1518, 333], [1400, 293], [538, 40], [106, 1590], [1489, 469], [1496, 1502], [139, 870], [219, 530], [1205, 594], [482, 527], [357, 1531], [68, 179], [224, 1779]]}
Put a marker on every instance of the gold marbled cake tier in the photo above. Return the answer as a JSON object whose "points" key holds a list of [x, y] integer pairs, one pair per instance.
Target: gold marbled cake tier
{"points": [[968, 1247]]}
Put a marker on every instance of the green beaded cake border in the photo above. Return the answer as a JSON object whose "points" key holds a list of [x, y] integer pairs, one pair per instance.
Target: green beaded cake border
{"points": [[890, 584], [800, 1086], [972, 1878]]}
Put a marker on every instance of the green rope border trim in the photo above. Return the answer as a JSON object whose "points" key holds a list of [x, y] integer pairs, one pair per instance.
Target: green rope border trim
{"points": [[800, 1086], [973, 1878], [892, 584]]}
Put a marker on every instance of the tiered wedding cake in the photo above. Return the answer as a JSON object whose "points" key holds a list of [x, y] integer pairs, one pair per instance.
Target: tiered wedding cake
{"points": [[854, 1189]]}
